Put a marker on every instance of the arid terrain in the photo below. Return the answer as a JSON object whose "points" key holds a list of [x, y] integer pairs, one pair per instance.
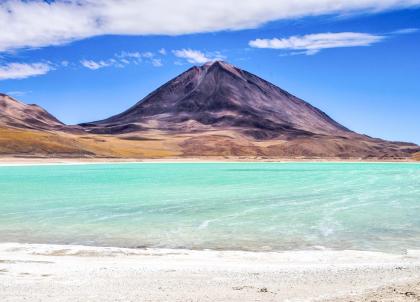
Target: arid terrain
{"points": [[215, 110]]}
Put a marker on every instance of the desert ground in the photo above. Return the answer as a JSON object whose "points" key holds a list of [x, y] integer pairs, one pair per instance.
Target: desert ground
{"points": [[80, 273]]}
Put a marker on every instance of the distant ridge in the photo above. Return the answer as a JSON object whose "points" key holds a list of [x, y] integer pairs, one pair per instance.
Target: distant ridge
{"points": [[215, 109], [17, 114]]}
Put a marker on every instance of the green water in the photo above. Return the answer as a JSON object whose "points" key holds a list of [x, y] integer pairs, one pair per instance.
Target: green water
{"points": [[239, 206]]}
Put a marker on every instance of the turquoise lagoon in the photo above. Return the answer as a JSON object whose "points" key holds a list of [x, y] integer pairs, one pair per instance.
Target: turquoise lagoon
{"points": [[229, 206]]}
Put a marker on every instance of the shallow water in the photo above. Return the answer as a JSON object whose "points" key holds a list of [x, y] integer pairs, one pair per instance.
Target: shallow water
{"points": [[240, 206]]}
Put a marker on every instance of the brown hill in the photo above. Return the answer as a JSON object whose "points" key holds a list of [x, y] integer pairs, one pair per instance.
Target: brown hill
{"points": [[30, 131], [19, 115]]}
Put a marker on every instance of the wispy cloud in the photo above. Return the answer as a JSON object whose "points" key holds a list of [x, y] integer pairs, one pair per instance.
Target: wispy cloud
{"points": [[197, 56], [192, 56], [40, 23], [17, 93], [148, 55], [23, 70], [162, 51], [313, 43], [157, 62], [93, 65], [122, 59], [129, 54], [404, 31]]}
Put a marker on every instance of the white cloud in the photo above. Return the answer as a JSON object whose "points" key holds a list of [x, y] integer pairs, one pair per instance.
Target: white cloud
{"points": [[162, 51], [135, 57], [93, 65], [192, 56], [313, 43], [127, 54], [17, 93], [196, 56], [40, 23], [122, 59], [157, 62], [148, 54], [23, 70], [406, 31]]}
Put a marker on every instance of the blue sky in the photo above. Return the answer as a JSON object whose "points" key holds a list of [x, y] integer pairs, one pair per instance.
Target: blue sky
{"points": [[360, 65]]}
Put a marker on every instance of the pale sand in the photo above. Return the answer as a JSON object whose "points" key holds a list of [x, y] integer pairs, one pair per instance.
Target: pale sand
{"points": [[76, 273], [22, 161]]}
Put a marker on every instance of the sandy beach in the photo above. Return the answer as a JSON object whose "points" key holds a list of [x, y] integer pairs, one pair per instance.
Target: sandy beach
{"points": [[30, 272]]}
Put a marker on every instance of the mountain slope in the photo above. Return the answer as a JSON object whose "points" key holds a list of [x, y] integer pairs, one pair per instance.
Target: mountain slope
{"points": [[19, 115], [30, 131], [220, 96], [212, 110], [220, 110]]}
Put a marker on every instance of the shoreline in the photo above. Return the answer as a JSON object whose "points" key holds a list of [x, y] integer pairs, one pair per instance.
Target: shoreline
{"points": [[43, 272], [33, 161]]}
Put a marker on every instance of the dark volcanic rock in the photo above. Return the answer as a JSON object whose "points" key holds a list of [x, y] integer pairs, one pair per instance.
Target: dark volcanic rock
{"points": [[222, 110], [220, 96]]}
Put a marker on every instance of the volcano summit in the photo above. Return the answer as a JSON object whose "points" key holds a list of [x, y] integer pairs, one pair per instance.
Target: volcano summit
{"points": [[219, 96]]}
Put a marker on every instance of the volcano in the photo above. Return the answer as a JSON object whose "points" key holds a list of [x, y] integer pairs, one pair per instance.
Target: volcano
{"points": [[218, 96], [213, 110], [219, 109]]}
